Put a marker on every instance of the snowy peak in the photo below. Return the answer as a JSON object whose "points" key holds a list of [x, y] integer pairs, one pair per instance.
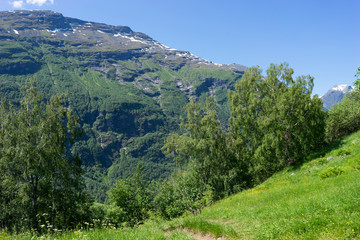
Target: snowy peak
{"points": [[341, 88], [335, 95]]}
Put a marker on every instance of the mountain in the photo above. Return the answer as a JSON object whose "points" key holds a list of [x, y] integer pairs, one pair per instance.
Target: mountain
{"points": [[334, 95], [128, 89]]}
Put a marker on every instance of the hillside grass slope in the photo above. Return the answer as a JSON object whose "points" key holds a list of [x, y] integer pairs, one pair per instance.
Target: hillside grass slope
{"points": [[319, 199]]}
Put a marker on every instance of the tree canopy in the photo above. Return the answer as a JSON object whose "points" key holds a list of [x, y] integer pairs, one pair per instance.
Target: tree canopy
{"points": [[274, 120], [344, 117], [206, 147], [41, 180]]}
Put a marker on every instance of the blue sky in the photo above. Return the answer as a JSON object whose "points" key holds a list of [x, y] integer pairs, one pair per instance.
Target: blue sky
{"points": [[318, 37]]}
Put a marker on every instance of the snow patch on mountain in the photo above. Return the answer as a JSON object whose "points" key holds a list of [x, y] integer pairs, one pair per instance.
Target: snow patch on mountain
{"points": [[335, 95], [341, 88]]}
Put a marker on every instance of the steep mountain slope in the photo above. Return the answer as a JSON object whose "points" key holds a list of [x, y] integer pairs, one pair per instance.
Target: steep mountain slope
{"points": [[128, 89], [334, 95]]}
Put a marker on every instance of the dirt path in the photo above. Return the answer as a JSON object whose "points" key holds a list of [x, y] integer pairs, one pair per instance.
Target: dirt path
{"points": [[199, 236]]}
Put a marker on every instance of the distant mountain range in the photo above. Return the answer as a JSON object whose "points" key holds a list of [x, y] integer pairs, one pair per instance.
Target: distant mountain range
{"points": [[334, 95], [128, 89]]}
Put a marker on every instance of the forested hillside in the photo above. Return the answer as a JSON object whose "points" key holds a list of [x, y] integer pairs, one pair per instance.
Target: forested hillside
{"points": [[316, 198], [128, 90]]}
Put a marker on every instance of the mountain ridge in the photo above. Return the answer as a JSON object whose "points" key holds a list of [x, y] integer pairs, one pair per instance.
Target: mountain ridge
{"points": [[335, 95], [58, 26]]}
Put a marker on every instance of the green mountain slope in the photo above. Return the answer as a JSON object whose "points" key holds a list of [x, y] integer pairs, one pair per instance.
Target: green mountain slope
{"points": [[128, 89]]}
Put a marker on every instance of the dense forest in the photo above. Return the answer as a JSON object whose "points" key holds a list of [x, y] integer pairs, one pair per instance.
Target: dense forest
{"points": [[274, 122]]}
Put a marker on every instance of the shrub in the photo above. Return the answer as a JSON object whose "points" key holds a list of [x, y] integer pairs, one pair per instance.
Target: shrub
{"points": [[344, 117], [183, 192], [342, 152], [331, 172], [322, 160]]}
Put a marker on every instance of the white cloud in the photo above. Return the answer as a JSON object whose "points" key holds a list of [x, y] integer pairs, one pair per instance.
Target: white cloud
{"points": [[39, 2], [21, 3], [17, 4]]}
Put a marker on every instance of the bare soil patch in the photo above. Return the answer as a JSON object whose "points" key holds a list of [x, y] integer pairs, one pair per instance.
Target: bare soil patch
{"points": [[199, 236]]}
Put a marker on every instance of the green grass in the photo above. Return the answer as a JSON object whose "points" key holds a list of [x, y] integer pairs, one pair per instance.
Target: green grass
{"points": [[297, 203], [204, 227], [152, 231]]}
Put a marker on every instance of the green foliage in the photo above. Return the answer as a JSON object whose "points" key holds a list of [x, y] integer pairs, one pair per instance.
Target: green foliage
{"points": [[342, 152], [274, 123], [344, 117], [40, 180], [357, 82], [331, 172], [131, 199], [322, 160], [274, 120], [295, 203], [124, 101], [207, 148], [292, 204], [183, 192]]}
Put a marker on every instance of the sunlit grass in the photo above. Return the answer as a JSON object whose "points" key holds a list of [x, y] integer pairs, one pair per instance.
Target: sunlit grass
{"points": [[298, 203], [152, 231]]}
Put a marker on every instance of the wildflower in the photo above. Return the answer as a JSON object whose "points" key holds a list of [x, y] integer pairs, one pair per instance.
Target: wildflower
{"points": [[325, 210]]}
